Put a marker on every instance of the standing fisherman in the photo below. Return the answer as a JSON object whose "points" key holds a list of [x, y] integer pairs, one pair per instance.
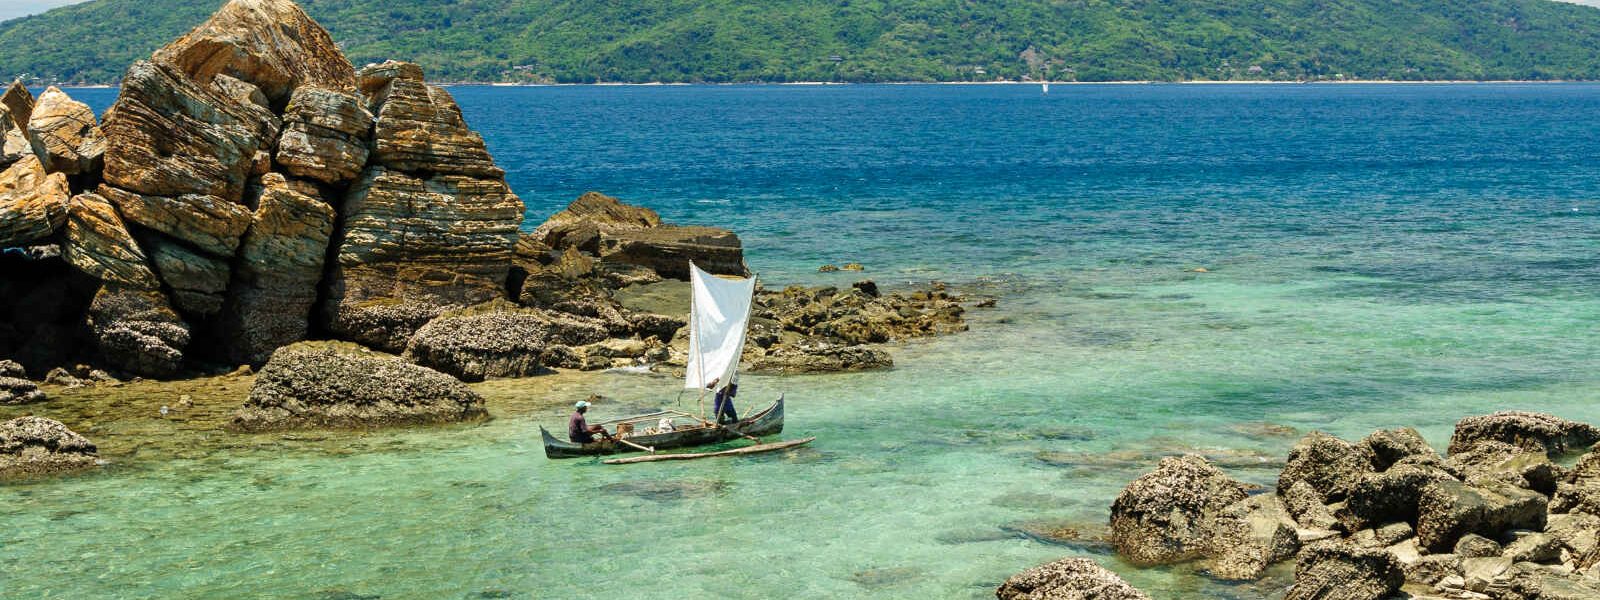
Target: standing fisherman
{"points": [[723, 406]]}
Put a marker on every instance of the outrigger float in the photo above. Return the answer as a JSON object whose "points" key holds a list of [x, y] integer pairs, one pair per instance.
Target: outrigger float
{"points": [[719, 320]]}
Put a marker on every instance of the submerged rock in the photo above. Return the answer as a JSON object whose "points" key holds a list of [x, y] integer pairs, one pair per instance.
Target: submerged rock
{"points": [[1068, 579], [36, 445], [337, 385]]}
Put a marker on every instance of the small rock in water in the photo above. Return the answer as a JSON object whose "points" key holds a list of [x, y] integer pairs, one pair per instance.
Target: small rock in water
{"points": [[852, 267], [879, 578], [827, 269], [1199, 270]]}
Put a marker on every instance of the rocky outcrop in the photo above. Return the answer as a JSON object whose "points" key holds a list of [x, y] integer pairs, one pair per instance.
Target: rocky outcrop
{"points": [[33, 203], [99, 244], [620, 234], [1169, 515], [1068, 579], [280, 262], [325, 384], [1536, 432], [503, 342], [271, 44], [36, 446], [1496, 520], [64, 134], [412, 248]]}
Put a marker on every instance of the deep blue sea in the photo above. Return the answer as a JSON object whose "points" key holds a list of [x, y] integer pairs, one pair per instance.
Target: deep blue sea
{"points": [[1179, 268]]}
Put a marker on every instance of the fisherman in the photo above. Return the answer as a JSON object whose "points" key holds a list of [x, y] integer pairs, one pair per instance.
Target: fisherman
{"points": [[722, 407], [579, 430]]}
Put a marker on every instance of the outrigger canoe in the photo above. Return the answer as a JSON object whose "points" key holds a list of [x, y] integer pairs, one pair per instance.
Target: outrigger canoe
{"points": [[766, 422]]}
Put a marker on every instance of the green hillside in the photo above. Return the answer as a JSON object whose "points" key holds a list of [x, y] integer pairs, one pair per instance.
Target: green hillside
{"points": [[874, 40]]}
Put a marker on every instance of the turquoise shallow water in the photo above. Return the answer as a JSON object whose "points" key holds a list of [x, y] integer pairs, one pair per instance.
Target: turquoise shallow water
{"points": [[1378, 256]]}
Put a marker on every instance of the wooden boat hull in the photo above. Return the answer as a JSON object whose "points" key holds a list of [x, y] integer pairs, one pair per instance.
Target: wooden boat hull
{"points": [[766, 422]]}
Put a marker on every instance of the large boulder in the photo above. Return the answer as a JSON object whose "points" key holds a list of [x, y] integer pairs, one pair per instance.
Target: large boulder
{"points": [[1342, 571], [16, 107], [1169, 515], [1068, 579], [274, 285], [1331, 466], [580, 224], [325, 135], [1493, 460], [64, 134], [271, 44], [33, 203], [36, 445], [1446, 510], [322, 384], [419, 128], [498, 343], [1531, 431], [1386, 447], [169, 136], [413, 248]]}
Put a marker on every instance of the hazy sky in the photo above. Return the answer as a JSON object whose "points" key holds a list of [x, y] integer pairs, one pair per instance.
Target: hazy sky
{"points": [[11, 9]]}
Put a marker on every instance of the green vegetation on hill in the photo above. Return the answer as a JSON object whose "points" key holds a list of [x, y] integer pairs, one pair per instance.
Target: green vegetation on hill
{"points": [[873, 40]]}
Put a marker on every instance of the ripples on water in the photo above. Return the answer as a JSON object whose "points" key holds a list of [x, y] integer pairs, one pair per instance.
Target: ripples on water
{"points": [[1377, 256]]}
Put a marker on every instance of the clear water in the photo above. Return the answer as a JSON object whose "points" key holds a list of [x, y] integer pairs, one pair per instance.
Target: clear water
{"points": [[1377, 256]]}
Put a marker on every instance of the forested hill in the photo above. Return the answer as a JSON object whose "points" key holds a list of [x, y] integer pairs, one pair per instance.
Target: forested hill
{"points": [[873, 40]]}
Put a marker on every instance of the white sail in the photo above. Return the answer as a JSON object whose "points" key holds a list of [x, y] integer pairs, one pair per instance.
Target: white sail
{"points": [[717, 324]]}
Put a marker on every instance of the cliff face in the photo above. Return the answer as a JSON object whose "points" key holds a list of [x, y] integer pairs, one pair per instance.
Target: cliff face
{"points": [[246, 174]]}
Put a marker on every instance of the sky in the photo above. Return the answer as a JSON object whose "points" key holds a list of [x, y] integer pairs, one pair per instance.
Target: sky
{"points": [[11, 9]]}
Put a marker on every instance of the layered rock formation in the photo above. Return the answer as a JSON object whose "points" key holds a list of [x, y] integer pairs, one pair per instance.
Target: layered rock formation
{"points": [[1497, 519], [36, 445], [329, 384], [206, 203], [629, 235]]}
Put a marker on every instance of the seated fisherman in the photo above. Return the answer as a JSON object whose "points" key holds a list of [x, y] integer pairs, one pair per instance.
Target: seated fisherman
{"points": [[723, 406], [579, 430]]}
